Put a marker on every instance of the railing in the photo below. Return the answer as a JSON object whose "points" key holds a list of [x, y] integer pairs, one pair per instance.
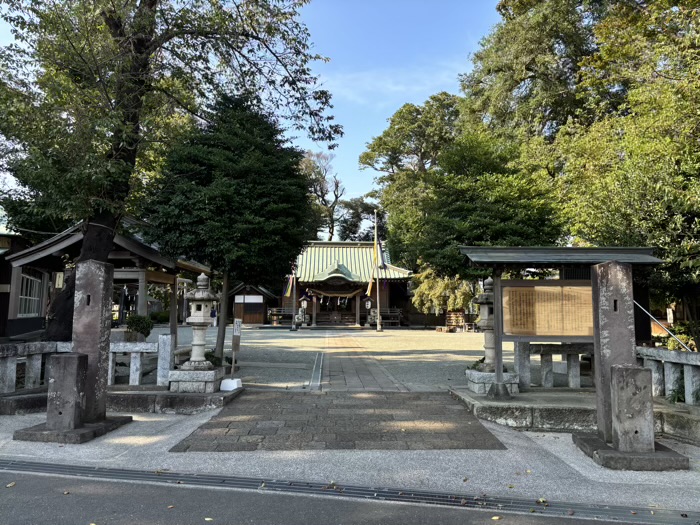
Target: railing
{"points": [[34, 352], [674, 375]]}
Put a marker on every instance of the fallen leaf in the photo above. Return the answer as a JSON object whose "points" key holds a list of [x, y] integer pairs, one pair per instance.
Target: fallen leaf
{"points": [[171, 506], [65, 492], [208, 519], [532, 510], [10, 485], [633, 512], [496, 518], [570, 513], [652, 512], [511, 486], [541, 500]]}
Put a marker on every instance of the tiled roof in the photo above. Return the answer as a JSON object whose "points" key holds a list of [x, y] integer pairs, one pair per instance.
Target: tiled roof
{"points": [[350, 260]]}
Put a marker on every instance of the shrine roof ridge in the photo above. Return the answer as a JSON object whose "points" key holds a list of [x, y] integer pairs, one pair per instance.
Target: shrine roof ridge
{"points": [[557, 256]]}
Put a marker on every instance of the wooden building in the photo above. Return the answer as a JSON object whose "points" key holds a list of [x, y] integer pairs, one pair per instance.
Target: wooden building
{"points": [[38, 272], [333, 276], [29, 310], [251, 303]]}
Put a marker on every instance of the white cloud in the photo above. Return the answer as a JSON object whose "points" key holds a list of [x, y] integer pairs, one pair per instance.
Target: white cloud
{"points": [[378, 88]]}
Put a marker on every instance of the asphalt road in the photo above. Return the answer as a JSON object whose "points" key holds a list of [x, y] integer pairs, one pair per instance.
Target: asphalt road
{"points": [[39, 499]]}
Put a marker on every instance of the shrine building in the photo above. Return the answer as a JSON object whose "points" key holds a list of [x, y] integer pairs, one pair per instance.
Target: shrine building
{"points": [[332, 280]]}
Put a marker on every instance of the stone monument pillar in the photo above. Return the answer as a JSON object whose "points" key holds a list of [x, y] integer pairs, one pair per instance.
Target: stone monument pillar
{"points": [[613, 333], [77, 398], [624, 401], [485, 302], [92, 322]]}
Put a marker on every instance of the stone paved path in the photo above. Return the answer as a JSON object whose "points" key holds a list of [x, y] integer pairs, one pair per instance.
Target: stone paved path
{"points": [[348, 368], [278, 420]]}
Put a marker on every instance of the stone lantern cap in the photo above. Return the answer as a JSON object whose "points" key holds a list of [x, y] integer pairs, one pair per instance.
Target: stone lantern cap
{"points": [[202, 292], [487, 296]]}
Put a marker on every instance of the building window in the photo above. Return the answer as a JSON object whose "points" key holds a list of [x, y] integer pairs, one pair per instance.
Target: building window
{"points": [[30, 294]]}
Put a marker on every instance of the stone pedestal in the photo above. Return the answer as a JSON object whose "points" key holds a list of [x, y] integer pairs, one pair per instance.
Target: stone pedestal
{"points": [[196, 381], [522, 365], [480, 382], [573, 370], [546, 371], [632, 409], [614, 343], [66, 376]]}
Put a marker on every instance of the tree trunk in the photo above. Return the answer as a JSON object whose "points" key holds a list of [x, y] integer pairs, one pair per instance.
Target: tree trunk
{"points": [[131, 87], [98, 238], [223, 315]]}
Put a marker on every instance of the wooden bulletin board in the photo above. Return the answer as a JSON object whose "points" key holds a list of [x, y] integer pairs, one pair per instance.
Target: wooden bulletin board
{"points": [[547, 308]]}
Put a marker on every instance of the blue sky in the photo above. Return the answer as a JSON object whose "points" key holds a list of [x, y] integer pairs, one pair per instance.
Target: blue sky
{"points": [[383, 54], [386, 53]]}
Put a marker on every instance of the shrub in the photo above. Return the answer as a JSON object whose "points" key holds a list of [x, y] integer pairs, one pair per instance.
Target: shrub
{"points": [[686, 339], [139, 324]]}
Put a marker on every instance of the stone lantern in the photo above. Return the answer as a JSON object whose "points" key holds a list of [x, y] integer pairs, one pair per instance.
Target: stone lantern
{"points": [[201, 301], [485, 302], [198, 374]]}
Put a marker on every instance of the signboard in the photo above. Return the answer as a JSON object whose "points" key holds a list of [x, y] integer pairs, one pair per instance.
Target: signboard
{"points": [[547, 308], [235, 345]]}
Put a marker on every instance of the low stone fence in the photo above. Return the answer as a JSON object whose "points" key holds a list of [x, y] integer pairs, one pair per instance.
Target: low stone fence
{"points": [[572, 351], [673, 373], [34, 352]]}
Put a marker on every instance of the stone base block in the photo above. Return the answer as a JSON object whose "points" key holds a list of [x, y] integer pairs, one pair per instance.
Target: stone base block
{"points": [[76, 436], [27, 403], [162, 402], [480, 382], [663, 458], [196, 381]]}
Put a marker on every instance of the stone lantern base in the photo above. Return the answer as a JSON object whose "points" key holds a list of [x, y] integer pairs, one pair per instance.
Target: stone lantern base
{"points": [[480, 382], [197, 381]]}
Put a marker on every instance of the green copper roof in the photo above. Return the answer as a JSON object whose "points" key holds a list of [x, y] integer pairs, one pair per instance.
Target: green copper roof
{"points": [[352, 261]]}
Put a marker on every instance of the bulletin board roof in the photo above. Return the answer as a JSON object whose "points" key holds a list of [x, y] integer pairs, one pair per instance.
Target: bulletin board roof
{"points": [[555, 257]]}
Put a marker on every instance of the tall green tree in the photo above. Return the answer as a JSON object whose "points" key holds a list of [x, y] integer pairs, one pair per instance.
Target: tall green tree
{"points": [[444, 183], [357, 222], [633, 176], [89, 90], [524, 76], [232, 195]]}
